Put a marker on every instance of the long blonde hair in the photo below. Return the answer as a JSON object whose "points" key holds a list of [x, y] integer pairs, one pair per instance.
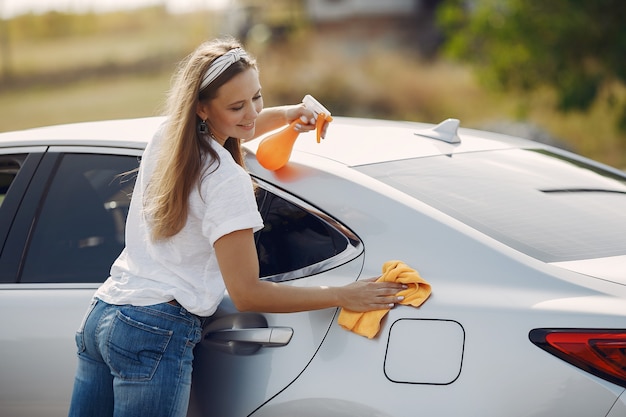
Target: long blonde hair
{"points": [[184, 151]]}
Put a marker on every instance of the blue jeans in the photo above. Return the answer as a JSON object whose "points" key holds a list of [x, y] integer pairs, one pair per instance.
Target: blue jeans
{"points": [[134, 361]]}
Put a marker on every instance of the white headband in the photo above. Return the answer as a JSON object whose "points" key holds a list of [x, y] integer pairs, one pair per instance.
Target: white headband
{"points": [[220, 64]]}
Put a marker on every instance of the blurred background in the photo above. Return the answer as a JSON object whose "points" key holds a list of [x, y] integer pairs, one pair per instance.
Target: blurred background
{"points": [[553, 71]]}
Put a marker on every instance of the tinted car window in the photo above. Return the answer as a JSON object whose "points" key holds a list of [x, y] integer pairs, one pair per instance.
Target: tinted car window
{"points": [[80, 228], [545, 205], [293, 239]]}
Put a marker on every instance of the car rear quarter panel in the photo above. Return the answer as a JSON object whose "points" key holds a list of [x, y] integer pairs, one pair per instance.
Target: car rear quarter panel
{"points": [[495, 293], [619, 409], [502, 373]]}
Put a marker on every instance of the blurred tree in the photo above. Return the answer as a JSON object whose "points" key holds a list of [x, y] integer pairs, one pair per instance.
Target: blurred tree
{"points": [[575, 46]]}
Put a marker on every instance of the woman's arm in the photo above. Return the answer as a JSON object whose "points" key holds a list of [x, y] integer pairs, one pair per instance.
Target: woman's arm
{"points": [[272, 118], [237, 257]]}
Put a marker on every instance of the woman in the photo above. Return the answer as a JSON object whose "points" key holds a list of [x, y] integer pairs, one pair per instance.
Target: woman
{"points": [[189, 235]]}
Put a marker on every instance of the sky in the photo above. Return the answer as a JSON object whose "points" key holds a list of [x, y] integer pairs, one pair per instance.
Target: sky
{"points": [[10, 8]]}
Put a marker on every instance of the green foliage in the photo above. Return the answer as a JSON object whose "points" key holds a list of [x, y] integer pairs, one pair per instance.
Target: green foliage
{"points": [[577, 47]]}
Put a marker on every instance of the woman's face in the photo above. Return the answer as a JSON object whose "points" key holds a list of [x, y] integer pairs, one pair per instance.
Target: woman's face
{"points": [[233, 112]]}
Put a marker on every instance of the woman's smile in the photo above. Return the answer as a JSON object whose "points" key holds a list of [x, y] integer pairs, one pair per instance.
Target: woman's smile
{"points": [[247, 126]]}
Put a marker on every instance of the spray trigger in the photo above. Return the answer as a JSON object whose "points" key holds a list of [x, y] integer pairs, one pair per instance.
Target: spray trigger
{"points": [[322, 114]]}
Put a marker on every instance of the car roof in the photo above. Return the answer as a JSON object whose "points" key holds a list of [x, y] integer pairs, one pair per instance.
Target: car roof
{"points": [[350, 141], [127, 133], [357, 141]]}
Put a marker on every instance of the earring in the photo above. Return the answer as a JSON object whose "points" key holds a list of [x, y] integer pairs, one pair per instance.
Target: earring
{"points": [[203, 129]]}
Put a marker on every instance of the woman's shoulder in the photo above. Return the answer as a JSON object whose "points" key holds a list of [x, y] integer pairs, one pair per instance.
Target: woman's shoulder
{"points": [[224, 167]]}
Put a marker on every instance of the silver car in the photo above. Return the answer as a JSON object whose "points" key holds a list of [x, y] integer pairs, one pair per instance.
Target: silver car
{"points": [[524, 246]]}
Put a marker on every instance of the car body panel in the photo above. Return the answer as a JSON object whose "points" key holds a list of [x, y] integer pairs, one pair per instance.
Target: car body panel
{"points": [[619, 409], [276, 367], [610, 268], [489, 383], [37, 346]]}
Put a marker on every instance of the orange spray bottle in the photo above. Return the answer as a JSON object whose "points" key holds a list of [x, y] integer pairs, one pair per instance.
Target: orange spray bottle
{"points": [[274, 150]]}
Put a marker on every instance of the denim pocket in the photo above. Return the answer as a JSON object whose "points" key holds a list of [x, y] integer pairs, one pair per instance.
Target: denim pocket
{"points": [[80, 333], [135, 348]]}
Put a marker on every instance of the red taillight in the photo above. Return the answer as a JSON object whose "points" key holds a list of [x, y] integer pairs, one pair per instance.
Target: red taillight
{"points": [[599, 352]]}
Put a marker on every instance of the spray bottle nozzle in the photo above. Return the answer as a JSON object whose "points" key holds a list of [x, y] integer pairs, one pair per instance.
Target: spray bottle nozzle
{"points": [[322, 114], [315, 106]]}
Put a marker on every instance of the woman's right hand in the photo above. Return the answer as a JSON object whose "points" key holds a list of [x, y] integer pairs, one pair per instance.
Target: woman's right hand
{"points": [[367, 295]]}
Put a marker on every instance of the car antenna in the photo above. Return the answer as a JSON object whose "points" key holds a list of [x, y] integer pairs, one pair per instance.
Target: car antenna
{"points": [[445, 131]]}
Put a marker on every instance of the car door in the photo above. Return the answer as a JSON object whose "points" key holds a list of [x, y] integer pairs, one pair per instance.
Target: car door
{"points": [[245, 359], [61, 226]]}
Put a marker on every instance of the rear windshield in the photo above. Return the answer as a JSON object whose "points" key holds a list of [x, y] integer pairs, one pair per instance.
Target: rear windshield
{"points": [[540, 203]]}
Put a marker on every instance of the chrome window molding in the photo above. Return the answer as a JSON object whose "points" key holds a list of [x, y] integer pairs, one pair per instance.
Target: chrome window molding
{"points": [[353, 249]]}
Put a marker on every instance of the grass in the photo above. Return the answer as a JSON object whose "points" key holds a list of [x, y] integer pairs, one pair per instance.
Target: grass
{"points": [[117, 97], [120, 44], [374, 83]]}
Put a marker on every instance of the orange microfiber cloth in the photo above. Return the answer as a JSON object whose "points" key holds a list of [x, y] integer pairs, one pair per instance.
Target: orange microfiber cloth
{"points": [[368, 323]]}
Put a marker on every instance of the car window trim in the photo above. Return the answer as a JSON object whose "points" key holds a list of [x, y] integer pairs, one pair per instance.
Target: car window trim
{"points": [[23, 149], [352, 251], [19, 233], [18, 188], [100, 150]]}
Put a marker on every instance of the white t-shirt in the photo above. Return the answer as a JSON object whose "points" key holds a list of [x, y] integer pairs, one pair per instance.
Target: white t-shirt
{"points": [[183, 267]]}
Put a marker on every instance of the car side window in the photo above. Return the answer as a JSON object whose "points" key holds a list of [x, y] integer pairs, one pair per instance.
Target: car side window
{"points": [[9, 167], [294, 242], [80, 228]]}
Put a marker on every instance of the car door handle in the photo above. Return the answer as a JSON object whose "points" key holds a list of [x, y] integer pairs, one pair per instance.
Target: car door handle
{"points": [[268, 336], [243, 334]]}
